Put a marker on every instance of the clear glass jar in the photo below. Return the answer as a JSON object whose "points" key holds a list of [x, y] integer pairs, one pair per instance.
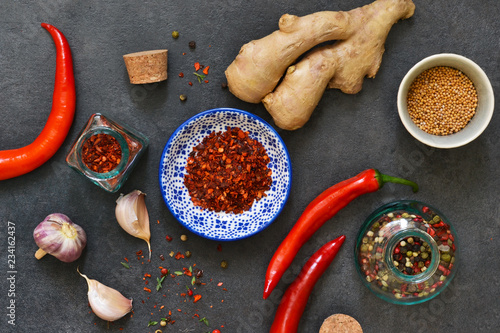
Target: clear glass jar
{"points": [[132, 144], [406, 252]]}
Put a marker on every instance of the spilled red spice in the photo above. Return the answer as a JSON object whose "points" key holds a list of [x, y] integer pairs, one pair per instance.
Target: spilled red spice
{"points": [[227, 172]]}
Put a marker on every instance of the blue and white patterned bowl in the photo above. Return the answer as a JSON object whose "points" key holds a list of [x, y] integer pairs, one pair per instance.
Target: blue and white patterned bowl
{"points": [[223, 226]]}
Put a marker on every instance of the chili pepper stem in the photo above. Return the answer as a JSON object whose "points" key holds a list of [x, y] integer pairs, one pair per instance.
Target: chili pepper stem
{"points": [[40, 253], [382, 179]]}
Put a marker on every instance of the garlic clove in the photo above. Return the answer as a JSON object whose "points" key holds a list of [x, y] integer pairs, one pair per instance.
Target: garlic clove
{"points": [[107, 303], [59, 236], [132, 215]]}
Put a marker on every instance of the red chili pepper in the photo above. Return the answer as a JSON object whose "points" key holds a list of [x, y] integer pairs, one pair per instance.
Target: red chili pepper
{"points": [[320, 210], [17, 162], [293, 303], [196, 66], [205, 70]]}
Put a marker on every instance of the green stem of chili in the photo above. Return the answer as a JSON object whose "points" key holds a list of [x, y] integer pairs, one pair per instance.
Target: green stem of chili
{"points": [[382, 179]]}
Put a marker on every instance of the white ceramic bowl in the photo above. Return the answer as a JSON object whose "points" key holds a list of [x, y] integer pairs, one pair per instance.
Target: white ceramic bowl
{"points": [[485, 105], [223, 226]]}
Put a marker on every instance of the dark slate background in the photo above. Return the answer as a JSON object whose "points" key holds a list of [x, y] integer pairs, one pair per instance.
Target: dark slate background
{"points": [[346, 134]]}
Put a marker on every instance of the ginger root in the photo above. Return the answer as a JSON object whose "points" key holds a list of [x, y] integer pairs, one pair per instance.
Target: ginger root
{"points": [[261, 63], [342, 65]]}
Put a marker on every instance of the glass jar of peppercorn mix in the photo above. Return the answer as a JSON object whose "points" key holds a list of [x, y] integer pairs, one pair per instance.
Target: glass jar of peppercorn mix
{"points": [[406, 252], [105, 152]]}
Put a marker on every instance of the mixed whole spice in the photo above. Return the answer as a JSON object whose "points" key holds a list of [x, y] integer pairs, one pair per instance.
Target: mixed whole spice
{"points": [[412, 255]]}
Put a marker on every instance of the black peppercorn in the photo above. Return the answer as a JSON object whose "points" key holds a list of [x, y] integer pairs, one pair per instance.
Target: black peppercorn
{"points": [[192, 44]]}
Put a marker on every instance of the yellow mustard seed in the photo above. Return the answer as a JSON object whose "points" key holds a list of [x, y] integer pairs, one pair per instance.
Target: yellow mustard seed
{"points": [[442, 100]]}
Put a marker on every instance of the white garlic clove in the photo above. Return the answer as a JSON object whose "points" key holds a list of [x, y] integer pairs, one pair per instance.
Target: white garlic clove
{"points": [[107, 303], [132, 215]]}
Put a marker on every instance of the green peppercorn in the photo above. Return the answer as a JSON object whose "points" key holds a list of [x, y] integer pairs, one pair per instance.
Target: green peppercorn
{"points": [[420, 264], [364, 248], [409, 254], [188, 254], [375, 225], [175, 34], [223, 264], [424, 255], [446, 257], [436, 219]]}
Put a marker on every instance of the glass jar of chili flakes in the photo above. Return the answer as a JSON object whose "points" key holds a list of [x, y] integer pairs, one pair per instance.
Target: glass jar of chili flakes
{"points": [[406, 252], [105, 152]]}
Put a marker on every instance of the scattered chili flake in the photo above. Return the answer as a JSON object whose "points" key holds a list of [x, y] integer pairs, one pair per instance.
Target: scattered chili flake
{"points": [[147, 289], [162, 257], [205, 70], [219, 284], [232, 170], [147, 275], [139, 253], [196, 66], [190, 83], [196, 298], [219, 248], [181, 74], [206, 81], [168, 238], [183, 53], [101, 153], [179, 256]]}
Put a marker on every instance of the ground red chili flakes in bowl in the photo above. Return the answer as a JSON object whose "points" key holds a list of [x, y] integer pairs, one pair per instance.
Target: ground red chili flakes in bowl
{"points": [[274, 171], [227, 172]]}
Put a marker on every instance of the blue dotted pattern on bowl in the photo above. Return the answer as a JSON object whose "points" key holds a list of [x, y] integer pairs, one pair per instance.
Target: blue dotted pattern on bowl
{"points": [[223, 226]]}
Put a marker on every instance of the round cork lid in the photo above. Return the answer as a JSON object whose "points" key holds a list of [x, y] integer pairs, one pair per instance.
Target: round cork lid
{"points": [[340, 323]]}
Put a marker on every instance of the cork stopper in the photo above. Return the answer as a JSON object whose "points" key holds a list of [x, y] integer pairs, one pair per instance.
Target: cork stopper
{"points": [[146, 66], [340, 323]]}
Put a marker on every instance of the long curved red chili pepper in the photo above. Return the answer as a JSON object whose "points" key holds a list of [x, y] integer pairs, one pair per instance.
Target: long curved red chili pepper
{"points": [[17, 162], [320, 210], [294, 301]]}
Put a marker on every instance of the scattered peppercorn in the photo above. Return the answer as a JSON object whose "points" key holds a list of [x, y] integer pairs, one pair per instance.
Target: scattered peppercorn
{"points": [[223, 85], [442, 100], [184, 238], [198, 273], [181, 74], [223, 264], [163, 323], [164, 271], [192, 44], [158, 331], [183, 97], [175, 34], [188, 254]]}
